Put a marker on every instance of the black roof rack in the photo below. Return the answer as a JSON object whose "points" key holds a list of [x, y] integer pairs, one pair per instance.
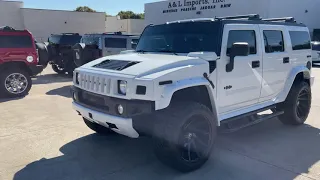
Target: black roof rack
{"points": [[248, 16], [285, 19]]}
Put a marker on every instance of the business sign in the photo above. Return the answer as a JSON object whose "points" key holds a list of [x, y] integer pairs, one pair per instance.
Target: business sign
{"points": [[195, 5]]}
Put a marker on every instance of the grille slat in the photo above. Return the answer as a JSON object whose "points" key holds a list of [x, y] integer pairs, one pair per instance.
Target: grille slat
{"points": [[95, 83]]}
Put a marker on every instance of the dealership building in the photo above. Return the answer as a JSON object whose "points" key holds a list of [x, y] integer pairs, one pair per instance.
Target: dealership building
{"points": [[304, 11], [42, 23]]}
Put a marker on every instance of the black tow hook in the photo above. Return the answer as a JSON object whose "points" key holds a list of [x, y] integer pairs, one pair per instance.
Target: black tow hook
{"points": [[205, 75]]}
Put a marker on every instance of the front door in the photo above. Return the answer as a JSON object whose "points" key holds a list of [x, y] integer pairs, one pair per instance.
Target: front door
{"points": [[240, 87]]}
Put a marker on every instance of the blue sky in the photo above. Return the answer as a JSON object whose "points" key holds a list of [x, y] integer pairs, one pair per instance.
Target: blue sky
{"points": [[111, 7]]}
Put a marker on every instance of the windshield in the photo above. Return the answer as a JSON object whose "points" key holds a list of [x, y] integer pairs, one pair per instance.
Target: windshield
{"points": [[64, 39], [91, 40], [181, 38]]}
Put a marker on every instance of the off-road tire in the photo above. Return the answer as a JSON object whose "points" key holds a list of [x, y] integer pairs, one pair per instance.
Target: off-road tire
{"points": [[43, 54], [169, 131], [290, 106], [98, 128], [4, 73], [57, 70]]}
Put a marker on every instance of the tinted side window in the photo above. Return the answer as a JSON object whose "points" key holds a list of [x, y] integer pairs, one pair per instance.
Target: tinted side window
{"points": [[300, 40], [15, 41], [273, 41], [248, 36], [116, 42]]}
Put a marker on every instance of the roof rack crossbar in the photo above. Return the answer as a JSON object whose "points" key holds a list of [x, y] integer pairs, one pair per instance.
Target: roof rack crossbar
{"points": [[285, 19], [248, 16]]}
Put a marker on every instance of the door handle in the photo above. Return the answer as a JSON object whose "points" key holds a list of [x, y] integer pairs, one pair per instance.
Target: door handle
{"points": [[309, 56], [286, 60], [255, 64]]}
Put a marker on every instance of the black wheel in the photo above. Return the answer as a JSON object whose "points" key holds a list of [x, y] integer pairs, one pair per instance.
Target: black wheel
{"points": [[15, 83], [297, 105], [58, 69], [98, 128], [184, 136]]}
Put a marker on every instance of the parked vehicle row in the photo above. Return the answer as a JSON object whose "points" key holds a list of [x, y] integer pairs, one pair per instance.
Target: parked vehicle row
{"points": [[70, 50]]}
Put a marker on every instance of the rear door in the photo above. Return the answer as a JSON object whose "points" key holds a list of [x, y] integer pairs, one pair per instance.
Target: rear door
{"points": [[276, 60], [114, 45], [17, 47]]}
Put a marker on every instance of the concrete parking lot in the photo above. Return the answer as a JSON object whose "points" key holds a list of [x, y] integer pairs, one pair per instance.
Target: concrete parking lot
{"points": [[41, 137]]}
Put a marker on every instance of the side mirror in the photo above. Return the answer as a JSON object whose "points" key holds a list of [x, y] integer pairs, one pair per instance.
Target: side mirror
{"points": [[237, 49]]}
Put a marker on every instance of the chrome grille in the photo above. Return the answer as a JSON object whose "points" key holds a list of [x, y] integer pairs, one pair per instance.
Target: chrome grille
{"points": [[94, 83]]}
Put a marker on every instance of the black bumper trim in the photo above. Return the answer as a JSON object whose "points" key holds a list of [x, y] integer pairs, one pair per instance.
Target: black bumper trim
{"points": [[35, 69], [108, 105]]}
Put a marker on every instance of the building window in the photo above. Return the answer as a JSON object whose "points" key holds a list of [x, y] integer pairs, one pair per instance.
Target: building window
{"points": [[248, 36], [21, 41], [115, 42], [273, 41], [300, 40]]}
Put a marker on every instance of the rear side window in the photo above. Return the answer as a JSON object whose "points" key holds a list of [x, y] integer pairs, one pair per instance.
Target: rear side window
{"points": [[273, 41], [115, 43], [300, 40], [21, 41], [248, 36]]}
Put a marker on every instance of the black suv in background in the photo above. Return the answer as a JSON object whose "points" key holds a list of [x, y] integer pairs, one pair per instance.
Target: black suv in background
{"points": [[94, 46], [61, 52]]}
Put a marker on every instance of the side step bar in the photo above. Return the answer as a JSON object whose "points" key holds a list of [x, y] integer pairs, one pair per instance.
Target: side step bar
{"points": [[246, 120]]}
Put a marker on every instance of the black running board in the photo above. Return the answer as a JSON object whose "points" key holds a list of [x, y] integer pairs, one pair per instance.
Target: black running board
{"points": [[246, 120]]}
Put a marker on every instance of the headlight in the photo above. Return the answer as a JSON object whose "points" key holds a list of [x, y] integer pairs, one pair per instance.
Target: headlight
{"points": [[122, 87]]}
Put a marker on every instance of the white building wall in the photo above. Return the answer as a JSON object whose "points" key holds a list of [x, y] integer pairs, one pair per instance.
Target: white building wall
{"points": [[127, 26], [115, 24], [43, 23], [136, 26], [154, 12], [305, 11], [10, 14]]}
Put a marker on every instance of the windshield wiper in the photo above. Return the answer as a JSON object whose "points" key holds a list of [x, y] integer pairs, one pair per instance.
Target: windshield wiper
{"points": [[168, 51]]}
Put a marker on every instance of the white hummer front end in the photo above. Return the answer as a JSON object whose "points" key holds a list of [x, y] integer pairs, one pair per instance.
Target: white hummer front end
{"points": [[135, 77], [188, 77]]}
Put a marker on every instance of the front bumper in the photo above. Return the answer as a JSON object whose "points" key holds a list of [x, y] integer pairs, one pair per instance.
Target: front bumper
{"points": [[108, 105], [123, 126], [35, 69]]}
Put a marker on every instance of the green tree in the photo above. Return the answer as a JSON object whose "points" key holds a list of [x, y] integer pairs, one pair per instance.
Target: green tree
{"points": [[84, 9], [130, 15]]}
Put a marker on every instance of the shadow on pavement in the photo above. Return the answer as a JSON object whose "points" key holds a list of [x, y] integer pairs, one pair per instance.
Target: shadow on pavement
{"points": [[268, 150], [2, 99], [51, 78], [63, 91]]}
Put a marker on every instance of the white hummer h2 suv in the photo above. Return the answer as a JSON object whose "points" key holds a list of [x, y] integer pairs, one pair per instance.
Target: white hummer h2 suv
{"points": [[187, 78]]}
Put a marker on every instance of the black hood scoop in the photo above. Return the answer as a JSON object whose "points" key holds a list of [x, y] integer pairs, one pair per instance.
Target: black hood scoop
{"points": [[115, 64]]}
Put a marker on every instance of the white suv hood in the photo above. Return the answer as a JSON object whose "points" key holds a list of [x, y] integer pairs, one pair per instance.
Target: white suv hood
{"points": [[147, 63]]}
